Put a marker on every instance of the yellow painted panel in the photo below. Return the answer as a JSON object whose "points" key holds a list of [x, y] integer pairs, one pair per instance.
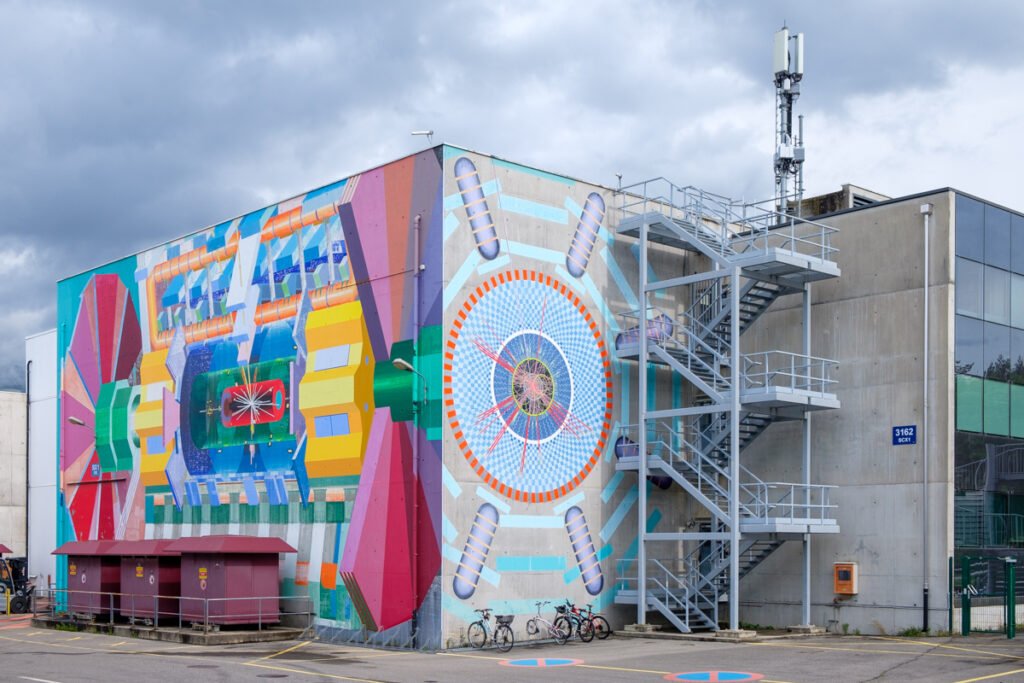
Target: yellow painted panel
{"points": [[149, 418], [153, 368], [335, 456]]}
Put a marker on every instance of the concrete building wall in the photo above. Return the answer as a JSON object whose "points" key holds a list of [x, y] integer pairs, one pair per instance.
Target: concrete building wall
{"points": [[871, 321], [534, 508], [12, 471], [41, 360]]}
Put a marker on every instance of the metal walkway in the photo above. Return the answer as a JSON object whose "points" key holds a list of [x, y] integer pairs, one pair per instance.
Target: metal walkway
{"points": [[741, 259]]}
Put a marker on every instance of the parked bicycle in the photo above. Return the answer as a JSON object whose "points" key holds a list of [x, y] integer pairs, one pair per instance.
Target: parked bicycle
{"points": [[570, 620], [534, 624], [479, 631], [601, 627]]}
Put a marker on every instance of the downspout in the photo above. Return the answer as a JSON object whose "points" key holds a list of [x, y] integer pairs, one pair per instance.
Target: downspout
{"points": [[28, 462], [926, 210], [417, 419]]}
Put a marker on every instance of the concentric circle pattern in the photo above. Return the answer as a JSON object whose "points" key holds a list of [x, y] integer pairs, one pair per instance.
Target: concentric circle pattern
{"points": [[528, 386]]}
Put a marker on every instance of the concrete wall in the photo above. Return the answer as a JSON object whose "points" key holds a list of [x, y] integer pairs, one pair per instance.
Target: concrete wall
{"points": [[871, 321], [12, 471], [41, 355]]}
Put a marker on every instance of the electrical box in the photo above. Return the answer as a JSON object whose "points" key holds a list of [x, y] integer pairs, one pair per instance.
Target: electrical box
{"points": [[844, 578]]}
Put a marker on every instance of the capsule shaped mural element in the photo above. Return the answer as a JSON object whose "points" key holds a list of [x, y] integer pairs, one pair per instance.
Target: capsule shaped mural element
{"points": [[480, 221], [583, 548], [471, 564], [585, 236]]}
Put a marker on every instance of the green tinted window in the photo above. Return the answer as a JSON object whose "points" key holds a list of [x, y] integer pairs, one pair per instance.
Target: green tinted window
{"points": [[968, 403], [997, 407]]}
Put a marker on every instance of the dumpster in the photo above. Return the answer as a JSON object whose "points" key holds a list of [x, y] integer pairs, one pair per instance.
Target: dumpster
{"points": [[94, 577], [150, 580], [230, 579]]}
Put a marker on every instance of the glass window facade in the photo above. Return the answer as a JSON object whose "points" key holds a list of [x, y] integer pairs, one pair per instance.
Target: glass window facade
{"points": [[989, 369], [989, 332]]}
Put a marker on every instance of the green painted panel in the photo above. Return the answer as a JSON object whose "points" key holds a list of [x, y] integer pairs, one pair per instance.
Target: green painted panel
{"points": [[968, 403], [997, 408], [1016, 410]]}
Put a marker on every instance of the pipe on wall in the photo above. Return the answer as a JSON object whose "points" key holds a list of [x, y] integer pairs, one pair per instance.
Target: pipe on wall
{"points": [[926, 211], [28, 462]]}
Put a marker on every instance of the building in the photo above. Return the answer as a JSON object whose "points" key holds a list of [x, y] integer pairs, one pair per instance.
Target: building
{"points": [[13, 463], [425, 377]]}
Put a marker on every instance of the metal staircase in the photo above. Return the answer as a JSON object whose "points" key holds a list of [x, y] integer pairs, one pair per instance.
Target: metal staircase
{"points": [[763, 255]]}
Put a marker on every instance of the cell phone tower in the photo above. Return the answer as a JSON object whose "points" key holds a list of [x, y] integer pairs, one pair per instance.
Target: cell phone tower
{"points": [[788, 67]]}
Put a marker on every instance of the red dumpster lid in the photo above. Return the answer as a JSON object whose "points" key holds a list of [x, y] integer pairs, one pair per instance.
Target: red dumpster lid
{"points": [[86, 548], [225, 543], [150, 548], [4, 549]]}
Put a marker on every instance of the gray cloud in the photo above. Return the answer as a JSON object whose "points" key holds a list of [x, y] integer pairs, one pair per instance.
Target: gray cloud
{"points": [[127, 124]]}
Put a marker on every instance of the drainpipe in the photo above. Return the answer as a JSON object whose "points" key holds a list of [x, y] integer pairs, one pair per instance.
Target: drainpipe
{"points": [[926, 211], [28, 462], [418, 409]]}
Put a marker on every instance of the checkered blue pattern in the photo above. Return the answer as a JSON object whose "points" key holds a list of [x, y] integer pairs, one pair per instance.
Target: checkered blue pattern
{"points": [[526, 319]]}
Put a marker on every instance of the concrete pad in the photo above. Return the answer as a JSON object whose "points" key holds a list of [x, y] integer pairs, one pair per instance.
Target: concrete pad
{"points": [[187, 636]]}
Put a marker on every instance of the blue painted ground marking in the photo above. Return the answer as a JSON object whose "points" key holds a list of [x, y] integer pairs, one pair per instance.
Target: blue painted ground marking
{"points": [[542, 662]]}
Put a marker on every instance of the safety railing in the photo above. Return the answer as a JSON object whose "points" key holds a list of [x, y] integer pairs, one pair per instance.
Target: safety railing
{"points": [[741, 227], [975, 529], [205, 613], [706, 361], [785, 370]]}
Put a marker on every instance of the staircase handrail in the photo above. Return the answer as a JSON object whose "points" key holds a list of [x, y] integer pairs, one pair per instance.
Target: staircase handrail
{"points": [[765, 369], [970, 476], [744, 227], [666, 333]]}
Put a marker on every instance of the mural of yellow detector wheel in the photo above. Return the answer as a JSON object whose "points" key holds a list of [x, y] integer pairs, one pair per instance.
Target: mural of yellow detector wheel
{"points": [[527, 386]]}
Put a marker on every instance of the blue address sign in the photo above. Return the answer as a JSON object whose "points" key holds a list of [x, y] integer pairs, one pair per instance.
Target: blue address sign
{"points": [[904, 435]]}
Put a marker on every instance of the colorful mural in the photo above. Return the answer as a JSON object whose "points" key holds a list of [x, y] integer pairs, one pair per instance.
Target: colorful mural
{"points": [[255, 378], [407, 375]]}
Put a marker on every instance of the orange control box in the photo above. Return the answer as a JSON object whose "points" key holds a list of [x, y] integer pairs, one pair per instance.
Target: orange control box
{"points": [[844, 578]]}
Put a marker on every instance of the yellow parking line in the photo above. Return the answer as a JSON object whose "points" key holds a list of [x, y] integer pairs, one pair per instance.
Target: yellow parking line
{"points": [[620, 668], [971, 650], [309, 673], [456, 654], [287, 649], [985, 678], [883, 652]]}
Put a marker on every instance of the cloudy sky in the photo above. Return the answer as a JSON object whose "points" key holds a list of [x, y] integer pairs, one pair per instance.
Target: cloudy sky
{"points": [[125, 124]]}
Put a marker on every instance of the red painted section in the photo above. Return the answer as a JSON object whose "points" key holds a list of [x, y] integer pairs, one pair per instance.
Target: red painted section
{"points": [[252, 404]]}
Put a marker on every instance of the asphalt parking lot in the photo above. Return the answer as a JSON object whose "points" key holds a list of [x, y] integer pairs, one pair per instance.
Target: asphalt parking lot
{"points": [[32, 654]]}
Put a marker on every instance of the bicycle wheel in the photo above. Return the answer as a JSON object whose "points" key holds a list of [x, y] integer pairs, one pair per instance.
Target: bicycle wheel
{"points": [[503, 638], [585, 630], [477, 634], [563, 624], [531, 627], [559, 635], [601, 628]]}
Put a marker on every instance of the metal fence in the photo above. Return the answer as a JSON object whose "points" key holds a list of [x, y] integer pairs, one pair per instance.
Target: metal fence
{"points": [[171, 610], [984, 597]]}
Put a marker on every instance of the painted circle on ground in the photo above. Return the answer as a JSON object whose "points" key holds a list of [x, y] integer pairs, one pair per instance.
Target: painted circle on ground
{"points": [[731, 676], [541, 662], [527, 384]]}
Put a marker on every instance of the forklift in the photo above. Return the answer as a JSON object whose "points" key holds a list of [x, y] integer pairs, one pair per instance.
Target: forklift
{"points": [[14, 583]]}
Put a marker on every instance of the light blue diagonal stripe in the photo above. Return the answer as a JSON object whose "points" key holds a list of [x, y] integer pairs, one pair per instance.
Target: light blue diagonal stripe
{"points": [[606, 598], [652, 524], [574, 573], [532, 521], [539, 253], [450, 483], [454, 201], [527, 606], [569, 279], [493, 500], [461, 276], [533, 209], [533, 171], [620, 279], [494, 264], [450, 223], [448, 529], [610, 320], [620, 514], [486, 573], [613, 484], [562, 507], [458, 609]]}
